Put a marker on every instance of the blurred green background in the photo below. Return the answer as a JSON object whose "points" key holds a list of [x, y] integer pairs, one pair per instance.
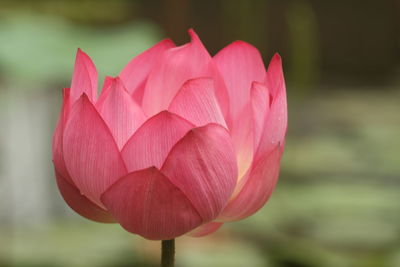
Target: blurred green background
{"points": [[338, 199]]}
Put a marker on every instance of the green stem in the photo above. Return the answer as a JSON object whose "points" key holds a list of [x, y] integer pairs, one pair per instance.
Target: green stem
{"points": [[167, 253]]}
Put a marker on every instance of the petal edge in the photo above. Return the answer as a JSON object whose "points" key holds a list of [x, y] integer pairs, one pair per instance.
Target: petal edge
{"points": [[79, 203]]}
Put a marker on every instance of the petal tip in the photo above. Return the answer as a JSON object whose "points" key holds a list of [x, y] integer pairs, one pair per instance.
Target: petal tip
{"points": [[165, 113], [118, 83], [114, 83], [210, 127], [153, 169], [167, 42], [243, 45], [194, 37], [170, 115], [80, 54], [192, 33], [208, 80], [108, 80], [276, 58], [84, 97], [117, 79]]}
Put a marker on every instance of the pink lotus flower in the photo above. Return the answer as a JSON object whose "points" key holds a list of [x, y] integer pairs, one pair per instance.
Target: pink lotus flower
{"points": [[180, 142]]}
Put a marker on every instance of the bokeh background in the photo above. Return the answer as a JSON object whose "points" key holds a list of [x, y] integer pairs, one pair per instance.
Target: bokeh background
{"points": [[338, 199]]}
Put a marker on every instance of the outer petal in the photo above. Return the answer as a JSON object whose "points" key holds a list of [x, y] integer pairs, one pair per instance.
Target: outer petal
{"points": [[145, 202], [151, 143], [90, 152], [203, 165], [240, 64], [275, 124], [79, 203], [135, 74], [260, 100], [205, 229], [176, 66], [257, 188], [122, 115], [57, 147], [84, 79], [197, 103]]}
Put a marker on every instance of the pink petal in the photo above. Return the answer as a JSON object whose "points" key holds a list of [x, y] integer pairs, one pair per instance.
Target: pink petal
{"points": [[242, 134], [221, 92], [176, 66], [275, 80], [257, 185], [203, 165], [135, 74], [151, 143], [240, 64], [260, 105], [90, 152], [79, 203], [84, 79], [108, 82], [275, 124], [145, 202], [58, 158], [197, 103], [122, 115], [257, 188], [205, 229]]}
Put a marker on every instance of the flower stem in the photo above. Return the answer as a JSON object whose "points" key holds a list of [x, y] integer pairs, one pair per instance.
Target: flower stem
{"points": [[167, 253]]}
